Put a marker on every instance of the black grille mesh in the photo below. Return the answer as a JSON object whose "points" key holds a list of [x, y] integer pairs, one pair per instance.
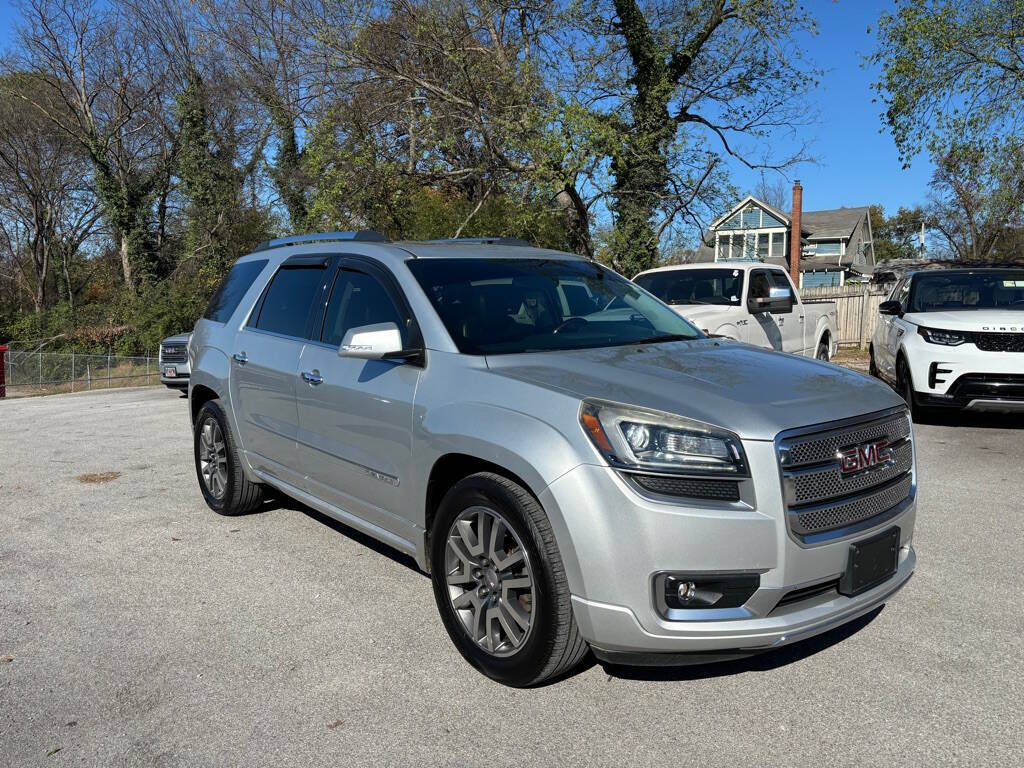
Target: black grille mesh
{"points": [[719, 490], [999, 342]]}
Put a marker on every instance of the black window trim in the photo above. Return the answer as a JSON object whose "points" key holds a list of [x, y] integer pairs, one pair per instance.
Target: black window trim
{"points": [[387, 279], [293, 262]]}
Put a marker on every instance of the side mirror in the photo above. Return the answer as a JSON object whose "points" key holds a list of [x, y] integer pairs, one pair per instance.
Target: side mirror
{"points": [[890, 308], [372, 342], [778, 301]]}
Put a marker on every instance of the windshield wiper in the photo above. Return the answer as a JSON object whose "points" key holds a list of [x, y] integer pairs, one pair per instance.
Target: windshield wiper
{"points": [[666, 337]]}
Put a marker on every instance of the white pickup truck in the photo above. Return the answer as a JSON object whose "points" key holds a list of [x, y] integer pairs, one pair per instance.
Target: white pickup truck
{"points": [[747, 301]]}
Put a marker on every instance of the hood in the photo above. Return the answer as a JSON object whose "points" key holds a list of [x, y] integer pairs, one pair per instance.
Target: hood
{"points": [[970, 319], [701, 315], [753, 392], [181, 338]]}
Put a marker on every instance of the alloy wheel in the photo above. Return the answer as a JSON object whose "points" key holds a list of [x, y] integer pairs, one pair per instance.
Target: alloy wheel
{"points": [[490, 580], [213, 458]]}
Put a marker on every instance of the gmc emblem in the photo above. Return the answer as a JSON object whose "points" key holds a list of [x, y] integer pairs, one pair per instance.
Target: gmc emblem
{"points": [[864, 456]]}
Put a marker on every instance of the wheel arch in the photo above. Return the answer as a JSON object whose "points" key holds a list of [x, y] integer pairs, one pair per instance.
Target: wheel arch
{"points": [[448, 470]]}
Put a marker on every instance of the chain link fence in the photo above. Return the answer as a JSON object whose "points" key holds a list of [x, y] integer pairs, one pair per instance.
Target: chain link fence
{"points": [[36, 373]]}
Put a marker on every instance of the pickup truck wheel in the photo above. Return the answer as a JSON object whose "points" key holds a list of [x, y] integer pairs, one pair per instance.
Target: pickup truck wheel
{"points": [[822, 352], [500, 584], [872, 368], [225, 487]]}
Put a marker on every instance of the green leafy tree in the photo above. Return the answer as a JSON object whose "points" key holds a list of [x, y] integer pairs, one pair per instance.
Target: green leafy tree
{"points": [[977, 201], [951, 71], [681, 85], [896, 236]]}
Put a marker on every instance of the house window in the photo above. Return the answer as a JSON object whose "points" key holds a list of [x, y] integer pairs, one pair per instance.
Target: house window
{"points": [[828, 248], [821, 279], [762, 246], [779, 245]]}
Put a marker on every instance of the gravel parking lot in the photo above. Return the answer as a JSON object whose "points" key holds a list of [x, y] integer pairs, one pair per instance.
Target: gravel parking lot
{"points": [[139, 628]]}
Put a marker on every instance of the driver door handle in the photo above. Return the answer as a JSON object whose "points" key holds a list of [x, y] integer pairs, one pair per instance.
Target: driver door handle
{"points": [[312, 377], [240, 358]]}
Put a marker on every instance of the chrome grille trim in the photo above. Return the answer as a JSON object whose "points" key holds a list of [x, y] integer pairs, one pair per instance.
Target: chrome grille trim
{"points": [[807, 521], [806, 486], [822, 445], [822, 504]]}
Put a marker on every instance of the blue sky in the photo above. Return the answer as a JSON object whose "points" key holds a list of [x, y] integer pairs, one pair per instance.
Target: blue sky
{"points": [[857, 164]]}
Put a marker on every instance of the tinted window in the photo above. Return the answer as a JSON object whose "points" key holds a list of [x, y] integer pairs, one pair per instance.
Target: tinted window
{"points": [[232, 288], [695, 286], [939, 291], [288, 300], [501, 306], [357, 299], [760, 285]]}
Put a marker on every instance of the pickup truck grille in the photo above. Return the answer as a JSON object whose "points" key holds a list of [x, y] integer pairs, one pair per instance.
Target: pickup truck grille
{"points": [[173, 353], [822, 502], [999, 342]]}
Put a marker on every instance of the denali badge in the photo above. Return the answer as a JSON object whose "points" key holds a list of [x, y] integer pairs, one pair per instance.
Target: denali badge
{"points": [[864, 456]]}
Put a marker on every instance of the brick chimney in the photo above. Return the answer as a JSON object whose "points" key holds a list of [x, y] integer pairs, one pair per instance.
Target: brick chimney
{"points": [[794, 235]]}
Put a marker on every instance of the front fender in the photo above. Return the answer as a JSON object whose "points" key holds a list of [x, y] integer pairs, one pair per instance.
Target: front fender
{"points": [[729, 331], [524, 445]]}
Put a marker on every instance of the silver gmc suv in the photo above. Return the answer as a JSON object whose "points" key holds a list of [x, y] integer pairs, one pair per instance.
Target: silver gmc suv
{"points": [[575, 465]]}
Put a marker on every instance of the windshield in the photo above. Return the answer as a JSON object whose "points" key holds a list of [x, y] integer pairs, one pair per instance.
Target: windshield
{"points": [[695, 286], [505, 306], [943, 292]]}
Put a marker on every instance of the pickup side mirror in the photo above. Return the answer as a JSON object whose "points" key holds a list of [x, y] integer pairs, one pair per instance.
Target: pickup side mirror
{"points": [[890, 308], [372, 342], [779, 301]]}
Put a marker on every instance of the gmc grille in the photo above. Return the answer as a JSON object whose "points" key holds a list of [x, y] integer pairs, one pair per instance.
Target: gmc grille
{"points": [[175, 353], [822, 502]]}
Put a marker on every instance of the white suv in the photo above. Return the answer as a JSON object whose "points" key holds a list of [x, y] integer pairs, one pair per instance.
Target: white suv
{"points": [[954, 338]]}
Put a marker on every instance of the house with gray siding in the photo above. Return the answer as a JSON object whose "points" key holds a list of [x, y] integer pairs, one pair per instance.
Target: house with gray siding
{"points": [[836, 245]]}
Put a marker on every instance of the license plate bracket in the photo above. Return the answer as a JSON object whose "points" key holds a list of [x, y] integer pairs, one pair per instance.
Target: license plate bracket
{"points": [[870, 562], [170, 372]]}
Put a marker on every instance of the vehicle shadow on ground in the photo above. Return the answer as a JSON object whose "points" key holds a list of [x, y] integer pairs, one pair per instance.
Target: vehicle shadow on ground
{"points": [[975, 419], [277, 500], [762, 662]]}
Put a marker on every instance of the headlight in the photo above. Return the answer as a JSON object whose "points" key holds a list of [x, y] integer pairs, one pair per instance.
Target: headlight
{"points": [[641, 439], [938, 336]]}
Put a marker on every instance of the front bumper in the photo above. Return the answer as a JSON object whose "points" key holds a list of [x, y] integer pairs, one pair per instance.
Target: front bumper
{"points": [[614, 540], [965, 376], [182, 374]]}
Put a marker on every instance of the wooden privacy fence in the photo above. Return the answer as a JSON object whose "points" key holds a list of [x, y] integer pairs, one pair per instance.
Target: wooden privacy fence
{"points": [[856, 310]]}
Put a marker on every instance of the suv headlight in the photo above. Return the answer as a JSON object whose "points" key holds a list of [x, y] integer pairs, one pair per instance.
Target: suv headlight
{"points": [[640, 439], [939, 336]]}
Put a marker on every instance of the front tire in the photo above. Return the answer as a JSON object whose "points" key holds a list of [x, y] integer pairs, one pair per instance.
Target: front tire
{"points": [[822, 353], [872, 367], [225, 487], [905, 386], [499, 582]]}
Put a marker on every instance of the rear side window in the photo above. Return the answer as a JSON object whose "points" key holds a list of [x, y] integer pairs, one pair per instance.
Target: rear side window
{"points": [[358, 299], [232, 288], [288, 300]]}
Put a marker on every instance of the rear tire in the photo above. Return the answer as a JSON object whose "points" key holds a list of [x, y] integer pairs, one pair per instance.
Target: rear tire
{"points": [[222, 479], [822, 353], [872, 368], [471, 580]]}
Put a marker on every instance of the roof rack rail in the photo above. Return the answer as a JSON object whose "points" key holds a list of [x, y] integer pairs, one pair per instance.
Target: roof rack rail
{"points": [[483, 241], [363, 235]]}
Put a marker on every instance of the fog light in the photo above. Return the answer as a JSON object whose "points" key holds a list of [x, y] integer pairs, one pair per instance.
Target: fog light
{"points": [[686, 592]]}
